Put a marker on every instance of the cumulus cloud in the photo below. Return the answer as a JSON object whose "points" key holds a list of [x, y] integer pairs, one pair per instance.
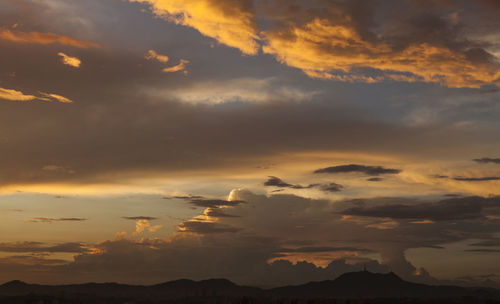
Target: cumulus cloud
{"points": [[368, 170], [68, 60], [343, 40], [44, 38], [142, 225], [229, 22]]}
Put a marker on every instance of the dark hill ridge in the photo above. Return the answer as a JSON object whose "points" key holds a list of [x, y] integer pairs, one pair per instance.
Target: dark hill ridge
{"points": [[369, 285], [361, 284]]}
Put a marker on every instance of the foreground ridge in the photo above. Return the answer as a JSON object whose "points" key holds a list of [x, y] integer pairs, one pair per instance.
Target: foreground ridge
{"points": [[354, 285]]}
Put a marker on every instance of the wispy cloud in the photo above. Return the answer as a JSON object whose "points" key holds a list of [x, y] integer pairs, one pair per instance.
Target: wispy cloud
{"points": [[153, 55], [177, 68], [51, 220], [368, 170], [44, 38], [14, 95]]}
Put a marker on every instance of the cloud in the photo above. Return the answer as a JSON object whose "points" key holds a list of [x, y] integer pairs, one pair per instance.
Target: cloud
{"points": [[229, 22], [142, 225], [180, 67], [153, 55], [476, 179], [214, 203], [368, 170], [68, 60], [323, 249], [54, 97], [44, 38], [217, 213], [206, 227], [274, 181], [51, 220], [38, 247], [444, 210], [486, 160], [344, 41], [14, 95], [136, 218], [483, 250]]}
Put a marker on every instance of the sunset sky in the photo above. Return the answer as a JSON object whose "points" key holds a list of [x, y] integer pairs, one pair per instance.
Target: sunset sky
{"points": [[268, 142]]}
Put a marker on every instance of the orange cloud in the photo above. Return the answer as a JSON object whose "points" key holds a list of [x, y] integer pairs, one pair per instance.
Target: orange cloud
{"points": [[231, 23], [152, 54], [55, 97], [71, 61], [328, 51], [44, 38], [180, 67], [145, 225], [14, 95]]}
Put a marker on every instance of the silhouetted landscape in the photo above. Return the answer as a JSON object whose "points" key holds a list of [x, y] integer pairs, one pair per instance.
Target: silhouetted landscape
{"points": [[354, 287]]}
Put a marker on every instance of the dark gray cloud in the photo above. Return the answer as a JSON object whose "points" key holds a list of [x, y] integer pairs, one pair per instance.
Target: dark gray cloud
{"points": [[137, 218], [331, 187], [445, 210], [214, 203], [274, 181], [218, 212], [483, 250], [38, 247], [50, 220], [206, 227], [312, 249], [375, 179], [486, 160], [368, 170], [488, 243], [476, 179]]}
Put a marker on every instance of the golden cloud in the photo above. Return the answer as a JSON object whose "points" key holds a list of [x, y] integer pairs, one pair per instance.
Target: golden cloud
{"points": [[180, 67], [71, 61], [229, 22], [328, 51], [153, 55], [44, 38], [14, 95]]}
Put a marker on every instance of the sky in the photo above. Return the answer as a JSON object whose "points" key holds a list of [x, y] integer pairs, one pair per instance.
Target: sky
{"points": [[267, 142]]}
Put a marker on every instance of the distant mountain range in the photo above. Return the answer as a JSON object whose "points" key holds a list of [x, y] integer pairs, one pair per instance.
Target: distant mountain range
{"points": [[361, 284]]}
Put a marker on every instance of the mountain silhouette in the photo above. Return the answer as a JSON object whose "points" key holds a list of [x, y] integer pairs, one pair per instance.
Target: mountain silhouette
{"points": [[366, 284], [362, 284]]}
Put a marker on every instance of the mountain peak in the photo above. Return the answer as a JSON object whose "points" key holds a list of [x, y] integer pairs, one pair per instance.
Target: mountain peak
{"points": [[15, 283]]}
